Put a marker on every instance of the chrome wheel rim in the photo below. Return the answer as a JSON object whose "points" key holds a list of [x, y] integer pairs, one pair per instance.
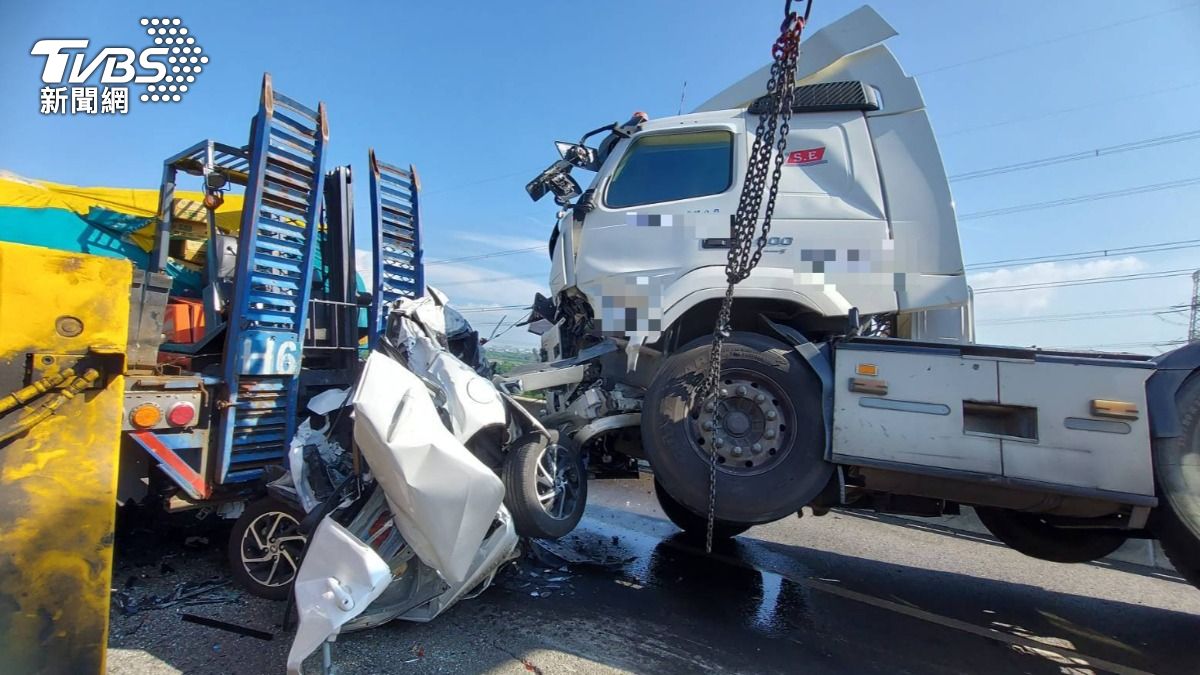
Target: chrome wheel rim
{"points": [[556, 482], [271, 549]]}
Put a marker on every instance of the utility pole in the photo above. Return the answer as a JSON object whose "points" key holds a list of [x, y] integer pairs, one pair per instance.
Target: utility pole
{"points": [[1194, 322]]}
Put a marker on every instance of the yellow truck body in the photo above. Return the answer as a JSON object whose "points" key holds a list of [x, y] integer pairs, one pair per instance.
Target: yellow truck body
{"points": [[58, 478]]}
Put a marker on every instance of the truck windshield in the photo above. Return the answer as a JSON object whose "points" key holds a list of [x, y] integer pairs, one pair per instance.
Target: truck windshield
{"points": [[669, 167]]}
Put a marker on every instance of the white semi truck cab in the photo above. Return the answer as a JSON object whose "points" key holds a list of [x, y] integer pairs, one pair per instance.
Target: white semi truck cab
{"points": [[850, 378], [864, 216]]}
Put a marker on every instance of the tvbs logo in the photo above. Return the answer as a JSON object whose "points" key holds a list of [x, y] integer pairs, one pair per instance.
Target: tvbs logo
{"points": [[168, 69]]}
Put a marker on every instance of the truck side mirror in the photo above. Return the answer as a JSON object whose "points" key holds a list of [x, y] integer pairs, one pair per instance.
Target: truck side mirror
{"points": [[555, 179], [579, 155]]}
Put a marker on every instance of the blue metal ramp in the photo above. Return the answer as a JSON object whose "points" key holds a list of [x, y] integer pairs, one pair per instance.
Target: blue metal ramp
{"points": [[276, 247], [396, 230]]}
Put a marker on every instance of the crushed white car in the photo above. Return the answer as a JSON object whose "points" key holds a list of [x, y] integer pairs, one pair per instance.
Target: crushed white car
{"points": [[453, 472]]}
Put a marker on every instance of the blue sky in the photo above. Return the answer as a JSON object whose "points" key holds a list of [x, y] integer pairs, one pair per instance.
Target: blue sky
{"points": [[473, 95]]}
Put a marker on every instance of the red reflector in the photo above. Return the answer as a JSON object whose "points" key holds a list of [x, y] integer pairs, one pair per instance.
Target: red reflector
{"points": [[181, 414]]}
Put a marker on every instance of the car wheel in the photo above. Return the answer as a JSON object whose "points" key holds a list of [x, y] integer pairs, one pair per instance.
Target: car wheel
{"points": [[545, 485], [265, 548]]}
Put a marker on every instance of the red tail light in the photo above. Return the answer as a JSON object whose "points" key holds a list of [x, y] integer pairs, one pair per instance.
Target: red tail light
{"points": [[181, 414]]}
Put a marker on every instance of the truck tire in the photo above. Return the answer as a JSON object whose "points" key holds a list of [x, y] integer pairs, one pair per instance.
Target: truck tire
{"points": [[766, 426], [545, 486], [265, 548], [1176, 522], [694, 525], [1030, 534]]}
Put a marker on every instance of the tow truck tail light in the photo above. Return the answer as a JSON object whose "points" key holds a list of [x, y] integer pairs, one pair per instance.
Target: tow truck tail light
{"points": [[181, 414], [145, 416]]}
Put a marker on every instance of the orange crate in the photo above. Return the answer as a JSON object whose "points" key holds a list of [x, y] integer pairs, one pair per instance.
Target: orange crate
{"points": [[184, 321]]}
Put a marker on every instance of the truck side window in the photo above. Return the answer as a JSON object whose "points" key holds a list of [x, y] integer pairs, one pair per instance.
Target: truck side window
{"points": [[668, 167]]}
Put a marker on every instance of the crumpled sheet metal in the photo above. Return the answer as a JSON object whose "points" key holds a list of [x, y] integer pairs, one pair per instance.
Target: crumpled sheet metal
{"points": [[340, 577], [443, 499]]}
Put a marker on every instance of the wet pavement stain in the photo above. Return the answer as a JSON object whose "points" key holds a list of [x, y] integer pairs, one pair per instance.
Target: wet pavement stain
{"points": [[627, 593]]}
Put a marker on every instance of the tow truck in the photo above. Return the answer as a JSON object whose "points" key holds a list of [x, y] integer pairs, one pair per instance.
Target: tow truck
{"points": [[220, 369], [177, 381], [848, 376]]}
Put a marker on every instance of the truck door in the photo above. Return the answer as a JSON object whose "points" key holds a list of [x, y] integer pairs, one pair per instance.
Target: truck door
{"points": [[660, 196]]}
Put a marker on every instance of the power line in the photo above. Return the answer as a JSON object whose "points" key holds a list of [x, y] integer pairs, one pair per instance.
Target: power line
{"points": [[491, 308], [1066, 201], [1089, 255], [511, 346], [1083, 316], [1077, 156], [1062, 111], [1087, 31], [501, 277], [493, 179], [485, 256], [1083, 282], [1121, 345]]}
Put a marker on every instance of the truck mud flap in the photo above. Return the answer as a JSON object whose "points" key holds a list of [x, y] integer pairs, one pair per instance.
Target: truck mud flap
{"points": [[818, 358]]}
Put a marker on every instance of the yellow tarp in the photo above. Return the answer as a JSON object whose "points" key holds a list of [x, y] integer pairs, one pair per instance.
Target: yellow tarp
{"points": [[103, 207]]}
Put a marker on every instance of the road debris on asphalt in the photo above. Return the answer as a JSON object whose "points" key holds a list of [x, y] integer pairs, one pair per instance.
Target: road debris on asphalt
{"points": [[576, 552], [228, 626], [186, 594]]}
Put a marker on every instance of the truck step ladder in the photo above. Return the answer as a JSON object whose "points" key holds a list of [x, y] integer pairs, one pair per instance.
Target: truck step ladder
{"points": [[396, 229], [274, 281]]}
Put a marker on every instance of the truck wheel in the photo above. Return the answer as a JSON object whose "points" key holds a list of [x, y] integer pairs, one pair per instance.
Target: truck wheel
{"points": [[265, 548], [694, 525], [1176, 522], [545, 486], [765, 427], [1030, 534]]}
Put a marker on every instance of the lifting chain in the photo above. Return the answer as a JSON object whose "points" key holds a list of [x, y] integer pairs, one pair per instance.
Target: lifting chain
{"points": [[766, 155]]}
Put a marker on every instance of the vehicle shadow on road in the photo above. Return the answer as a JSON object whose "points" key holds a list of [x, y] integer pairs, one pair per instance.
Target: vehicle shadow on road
{"points": [[931, 525]]}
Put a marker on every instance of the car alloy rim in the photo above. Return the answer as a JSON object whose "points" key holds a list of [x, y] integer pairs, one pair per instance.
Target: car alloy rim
{"points": [[557, 482], [271, 549]]}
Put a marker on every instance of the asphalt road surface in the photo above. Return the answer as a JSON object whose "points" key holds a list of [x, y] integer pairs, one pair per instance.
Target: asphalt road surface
{"points": [[843, 593]]}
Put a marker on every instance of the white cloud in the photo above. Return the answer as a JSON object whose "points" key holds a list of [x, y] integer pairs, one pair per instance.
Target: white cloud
{"points": [[1025, 303], [473, 286], [364, 261]]}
